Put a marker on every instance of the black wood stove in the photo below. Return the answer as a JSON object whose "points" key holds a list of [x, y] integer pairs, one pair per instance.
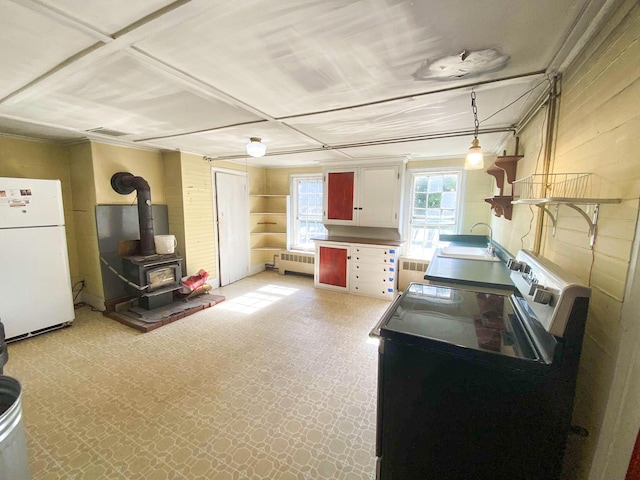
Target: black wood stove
{"points": [[151, 276], [159, 275]]}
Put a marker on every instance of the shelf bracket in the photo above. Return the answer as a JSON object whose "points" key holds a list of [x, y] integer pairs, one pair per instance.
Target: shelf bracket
{"points": [[554, 218], [593, 224]]}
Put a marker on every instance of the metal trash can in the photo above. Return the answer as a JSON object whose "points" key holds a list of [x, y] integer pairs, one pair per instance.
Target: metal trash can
{"points": [[14, 461]]}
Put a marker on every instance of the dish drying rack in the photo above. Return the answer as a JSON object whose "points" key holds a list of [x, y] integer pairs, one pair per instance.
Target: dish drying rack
{"points": [[570, 189]]}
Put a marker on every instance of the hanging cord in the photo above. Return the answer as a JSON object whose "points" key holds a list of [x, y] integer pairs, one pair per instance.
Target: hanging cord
{"points": [[138, 287], [75, 297], [529, 230], [542, 130], [593, 259], [525, 93]]}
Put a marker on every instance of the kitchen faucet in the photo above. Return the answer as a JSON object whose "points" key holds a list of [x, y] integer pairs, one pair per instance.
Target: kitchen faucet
{"points": [[490, 244]]}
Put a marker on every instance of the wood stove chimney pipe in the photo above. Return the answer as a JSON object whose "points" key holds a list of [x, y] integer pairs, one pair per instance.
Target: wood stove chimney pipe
{"points": [[124, 183]]}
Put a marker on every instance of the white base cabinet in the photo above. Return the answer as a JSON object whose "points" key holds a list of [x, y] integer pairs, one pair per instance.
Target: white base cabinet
{"points": [[370, 270]]}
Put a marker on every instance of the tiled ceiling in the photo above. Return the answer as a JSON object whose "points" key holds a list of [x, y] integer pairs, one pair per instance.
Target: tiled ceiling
{"points": [[317, 80]]}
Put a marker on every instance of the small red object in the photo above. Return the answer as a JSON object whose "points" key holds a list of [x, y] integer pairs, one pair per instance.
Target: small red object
{"points": [[189, 284]]}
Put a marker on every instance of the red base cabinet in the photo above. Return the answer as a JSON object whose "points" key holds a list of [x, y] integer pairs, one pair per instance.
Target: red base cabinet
{"points": [[332, 267]]}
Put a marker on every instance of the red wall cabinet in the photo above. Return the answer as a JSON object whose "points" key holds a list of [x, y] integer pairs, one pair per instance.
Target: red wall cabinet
{"points": [[363, 196]]}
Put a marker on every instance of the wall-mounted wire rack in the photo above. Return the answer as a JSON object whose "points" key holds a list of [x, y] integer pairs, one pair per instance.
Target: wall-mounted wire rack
{"points": [[555, 189]]}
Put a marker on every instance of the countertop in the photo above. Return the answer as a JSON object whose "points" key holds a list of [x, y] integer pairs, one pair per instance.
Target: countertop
{"points": [[361, 240], [471, 272]]}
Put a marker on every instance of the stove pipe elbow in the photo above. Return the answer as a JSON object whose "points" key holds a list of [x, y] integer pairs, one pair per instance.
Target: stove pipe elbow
{"points": [[125, 183]]}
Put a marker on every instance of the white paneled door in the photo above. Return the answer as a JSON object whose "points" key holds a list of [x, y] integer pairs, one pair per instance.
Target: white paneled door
{"points": [[232, 211]]}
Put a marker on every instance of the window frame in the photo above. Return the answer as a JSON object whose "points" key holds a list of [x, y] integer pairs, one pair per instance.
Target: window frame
{"points": [[292, 232], [411, 174]]}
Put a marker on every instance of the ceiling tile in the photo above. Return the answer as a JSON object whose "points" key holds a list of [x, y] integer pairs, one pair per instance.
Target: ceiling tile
{"points": [[290, 57], [426, 115], [122, 94], [25, 129], [108, 16], [455, 147], [231, 141], [31, 44]]}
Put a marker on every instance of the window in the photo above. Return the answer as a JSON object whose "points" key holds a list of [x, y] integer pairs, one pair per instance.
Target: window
{"points": [[306, 211], [434, 209]]}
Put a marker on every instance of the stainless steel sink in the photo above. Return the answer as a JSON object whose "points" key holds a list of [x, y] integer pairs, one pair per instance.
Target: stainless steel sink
{"points": [[467, 253]]}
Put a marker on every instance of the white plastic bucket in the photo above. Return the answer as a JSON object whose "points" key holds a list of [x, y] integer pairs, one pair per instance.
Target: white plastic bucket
{"points": [[13, 444], [165, 243]]}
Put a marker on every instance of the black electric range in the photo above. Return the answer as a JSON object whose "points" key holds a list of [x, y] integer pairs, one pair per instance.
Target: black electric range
{"points": [[478, 383]]}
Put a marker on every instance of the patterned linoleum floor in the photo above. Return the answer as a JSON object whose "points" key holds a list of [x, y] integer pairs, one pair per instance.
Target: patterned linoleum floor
{"points": [[277, 382]]}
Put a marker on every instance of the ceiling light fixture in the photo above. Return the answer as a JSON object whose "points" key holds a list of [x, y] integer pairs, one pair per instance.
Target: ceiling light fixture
{"points": [[474, 160], [255, 147]]}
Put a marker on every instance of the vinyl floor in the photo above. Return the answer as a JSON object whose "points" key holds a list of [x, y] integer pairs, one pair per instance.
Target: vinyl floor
{"points": [[277, 382]]}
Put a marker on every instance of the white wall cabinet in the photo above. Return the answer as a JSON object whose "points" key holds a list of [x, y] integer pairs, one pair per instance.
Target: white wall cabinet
{"points": [[370, 270], [367, 196]]}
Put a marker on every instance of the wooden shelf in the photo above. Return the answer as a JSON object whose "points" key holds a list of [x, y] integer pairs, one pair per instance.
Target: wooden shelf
{"points": [[504, 166], [501, 205]]}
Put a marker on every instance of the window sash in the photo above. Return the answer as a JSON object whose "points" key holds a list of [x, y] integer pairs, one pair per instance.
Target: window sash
{"points": [[306, 211], [434, 209]]}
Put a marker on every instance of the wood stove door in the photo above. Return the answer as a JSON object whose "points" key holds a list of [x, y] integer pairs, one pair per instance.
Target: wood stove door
{"points": [[233, 226]]}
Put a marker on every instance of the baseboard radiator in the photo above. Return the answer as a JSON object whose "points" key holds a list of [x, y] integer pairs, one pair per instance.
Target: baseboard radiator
{"points": [[297, 262], [411, 270]]}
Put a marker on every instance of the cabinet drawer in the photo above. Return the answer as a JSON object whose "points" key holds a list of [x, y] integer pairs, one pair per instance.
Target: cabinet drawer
{"points": [[375, 268], [380, 258], [374, 290], [373, 277], [374, 250]]}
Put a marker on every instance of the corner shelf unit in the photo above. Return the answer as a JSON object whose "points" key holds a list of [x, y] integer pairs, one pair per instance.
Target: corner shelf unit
{"points": [[269, 224], [573, 203]]}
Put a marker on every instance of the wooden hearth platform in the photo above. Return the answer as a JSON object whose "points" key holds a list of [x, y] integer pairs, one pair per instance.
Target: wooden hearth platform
{"points": [[128, 313]]}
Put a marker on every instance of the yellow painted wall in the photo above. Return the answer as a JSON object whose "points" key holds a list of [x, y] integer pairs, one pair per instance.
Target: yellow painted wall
{"points": [[110, 159], [277, 179], [520, 232], [197, 204], [172, 164], [598, 125], [84, 210], [23, 158]]}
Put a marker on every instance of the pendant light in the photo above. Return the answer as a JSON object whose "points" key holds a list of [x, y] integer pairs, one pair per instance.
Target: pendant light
{"points": [[474, 160], [255, 147]]}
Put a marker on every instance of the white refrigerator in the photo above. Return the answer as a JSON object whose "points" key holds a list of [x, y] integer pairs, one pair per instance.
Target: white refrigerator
{"points": [[35, 283]]}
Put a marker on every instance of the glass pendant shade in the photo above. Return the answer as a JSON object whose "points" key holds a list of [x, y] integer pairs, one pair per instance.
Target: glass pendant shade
{"points": [[255, 147], [474, 160]]}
